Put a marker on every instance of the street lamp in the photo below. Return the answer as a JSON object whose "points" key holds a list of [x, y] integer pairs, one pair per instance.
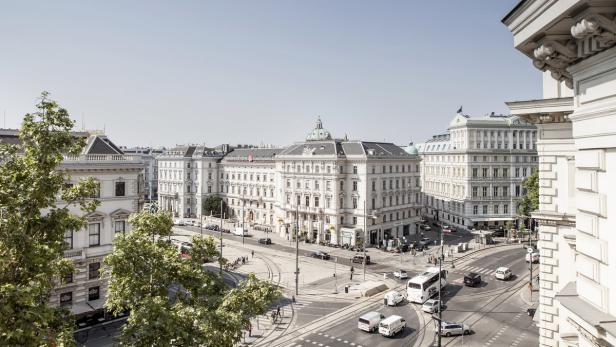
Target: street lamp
{"points": [[365, 237]]}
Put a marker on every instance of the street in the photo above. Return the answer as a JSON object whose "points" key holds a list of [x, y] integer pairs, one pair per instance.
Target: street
{"points": [[324, 315]]}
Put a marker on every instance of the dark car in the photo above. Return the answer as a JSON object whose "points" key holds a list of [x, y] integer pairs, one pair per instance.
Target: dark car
{"points": [[472, 279], [265, 241], [416, 246], [360, 259], [319, 254]]}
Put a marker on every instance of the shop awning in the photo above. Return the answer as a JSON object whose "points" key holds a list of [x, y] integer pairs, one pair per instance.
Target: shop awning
{"points": [[491, 219]]}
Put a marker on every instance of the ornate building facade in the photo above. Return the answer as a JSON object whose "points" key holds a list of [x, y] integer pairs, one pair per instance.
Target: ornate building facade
{"points": [[121, 183], [573, 42], [323, 181], [472, 175]]}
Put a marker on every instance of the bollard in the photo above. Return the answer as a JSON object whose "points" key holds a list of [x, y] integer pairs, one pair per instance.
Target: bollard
{"points": [[385, 275]]}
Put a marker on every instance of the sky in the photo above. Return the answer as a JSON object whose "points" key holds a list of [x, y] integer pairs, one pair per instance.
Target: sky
{"points": [[161, 73]]}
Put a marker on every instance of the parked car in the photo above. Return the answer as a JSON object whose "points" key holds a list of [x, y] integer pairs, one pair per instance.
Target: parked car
{"points": [[184, 248], [180, 222], [432, 306], [226, 231], [425, 242], [451, 328], [425, 227], [446, 229], [190, 223], [321, 255], [401, 274], [532, 257], [503, 273], [265, 241], [370, 321], [472, 279], [392, 325], [360, 259], [393, 298], [418, 246]]}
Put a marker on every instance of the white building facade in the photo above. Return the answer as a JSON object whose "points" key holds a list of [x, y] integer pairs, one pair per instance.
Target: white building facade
{"points": [[149, 158], [573, 42], [472, 175], [120, 179], [325, 182]]}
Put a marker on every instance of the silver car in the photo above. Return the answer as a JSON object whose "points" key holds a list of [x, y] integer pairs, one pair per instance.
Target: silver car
{"points": [[451, 328]]}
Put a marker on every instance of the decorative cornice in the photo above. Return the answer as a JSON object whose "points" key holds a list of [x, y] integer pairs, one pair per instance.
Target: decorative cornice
{"points": [[592, 33]]}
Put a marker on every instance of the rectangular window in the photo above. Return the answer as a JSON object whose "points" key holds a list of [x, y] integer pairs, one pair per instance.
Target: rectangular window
{"points": [[495, 193], [316, 185], [68, 239], [374, 186], [384, 185], [94, 232], [327, 202], [316, 201], [341, 185], [354, 202], [355, 169], [209, 189], [307, 200], [485, 209], [354, 220], [474, 172], [120, 226], [341, 203], [66, 299], [495, 209], [484, 191], [298, 199], [475, 208], [120, 188], [373, 204], [505, 173], [505, 209], [495, 173], [524, 172], [93, 271], [354, 186], [68, 278], [93, 293], [341, 169], [484, 173]]}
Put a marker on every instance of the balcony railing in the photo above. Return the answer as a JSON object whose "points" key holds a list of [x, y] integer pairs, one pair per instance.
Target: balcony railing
{"points": [[100, 157], [73, 254]]}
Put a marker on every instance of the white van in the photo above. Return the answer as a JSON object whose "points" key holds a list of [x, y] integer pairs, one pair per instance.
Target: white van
{"points": [[370, 321], [393, 298], [503, 273], [239, 231], [392, 325]]}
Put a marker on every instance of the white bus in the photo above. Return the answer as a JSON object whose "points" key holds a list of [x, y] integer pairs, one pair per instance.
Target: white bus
{"points": [[425, 285]]}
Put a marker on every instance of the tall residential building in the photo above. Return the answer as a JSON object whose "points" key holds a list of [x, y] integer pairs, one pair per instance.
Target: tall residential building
{"points": [[148, 155], [121, 193], [573, 43], [322, 180], [472, 175]]}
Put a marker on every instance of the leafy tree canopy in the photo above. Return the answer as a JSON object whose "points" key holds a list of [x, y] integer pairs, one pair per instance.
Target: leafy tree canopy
{"points": [[173, 300], [32, 226], [530, 201], [211, 205]]}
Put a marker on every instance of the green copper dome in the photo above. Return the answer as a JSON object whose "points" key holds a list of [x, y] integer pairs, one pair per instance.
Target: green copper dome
{"points": [[411, 149], [319, 134]]}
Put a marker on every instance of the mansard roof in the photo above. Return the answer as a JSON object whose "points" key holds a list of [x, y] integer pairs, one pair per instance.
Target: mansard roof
{"points": [[252, 154], [345, 148]]}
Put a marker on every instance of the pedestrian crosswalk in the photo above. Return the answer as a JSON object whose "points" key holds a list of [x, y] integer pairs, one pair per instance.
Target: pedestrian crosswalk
{"points": [[476, 269]]}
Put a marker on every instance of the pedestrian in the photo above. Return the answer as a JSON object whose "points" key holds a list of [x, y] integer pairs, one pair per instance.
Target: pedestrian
{"points": [[278, 311], [253, 253], [243, 260], [352, 270], [249, 329], [293, 298]]}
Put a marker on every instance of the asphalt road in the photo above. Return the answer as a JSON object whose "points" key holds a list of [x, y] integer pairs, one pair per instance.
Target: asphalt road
{"points": [[494, 310], [347, 334]]}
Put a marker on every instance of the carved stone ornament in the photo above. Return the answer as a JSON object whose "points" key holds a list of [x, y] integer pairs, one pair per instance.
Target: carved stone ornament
{"points": [[556, 56]]}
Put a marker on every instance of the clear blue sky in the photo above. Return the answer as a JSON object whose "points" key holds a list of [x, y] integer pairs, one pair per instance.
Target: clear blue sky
{"points": [[167, 72]]}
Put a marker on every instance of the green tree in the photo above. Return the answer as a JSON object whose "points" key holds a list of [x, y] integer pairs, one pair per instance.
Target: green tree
{"points": [[530, 201], [211, 205], [32, 227], [173, 300]]}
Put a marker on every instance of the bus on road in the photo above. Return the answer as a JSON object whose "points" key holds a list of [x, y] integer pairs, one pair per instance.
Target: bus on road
{"points": [[425, 285]]}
